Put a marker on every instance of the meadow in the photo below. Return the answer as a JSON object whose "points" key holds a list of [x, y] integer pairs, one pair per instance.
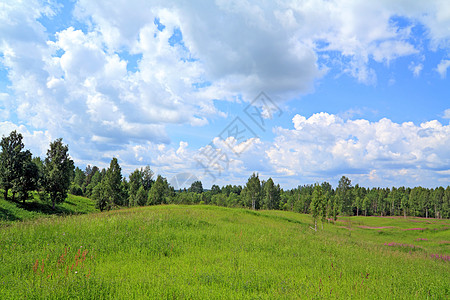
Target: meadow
{"points": [[209, 252], [35, 208]]}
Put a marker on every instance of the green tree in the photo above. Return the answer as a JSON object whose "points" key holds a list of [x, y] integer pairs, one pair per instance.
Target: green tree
{"points": [[215, 189], [318, 205], [147, 178], [90, 172], [29, 177], [141, 197], [252, 192], [58, 169], [332, 206], [344, 195], [271, 195], [446, 203], [11, 166], [80, 177], [113, 182], [94, 180], [437, 201], [158, 192], [196, 187], [233, 200], [134, 184], [101, 196], [40, 166]]}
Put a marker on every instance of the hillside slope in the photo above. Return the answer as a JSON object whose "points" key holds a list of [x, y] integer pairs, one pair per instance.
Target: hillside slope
{"points": [[206, 252], [17, 211]]}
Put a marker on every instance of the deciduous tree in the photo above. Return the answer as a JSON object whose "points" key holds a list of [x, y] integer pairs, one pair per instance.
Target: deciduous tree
{"points": [[58, 169], [252, 192]]}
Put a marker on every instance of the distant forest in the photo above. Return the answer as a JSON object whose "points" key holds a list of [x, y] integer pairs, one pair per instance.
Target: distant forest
{"points": [[56, 175]]}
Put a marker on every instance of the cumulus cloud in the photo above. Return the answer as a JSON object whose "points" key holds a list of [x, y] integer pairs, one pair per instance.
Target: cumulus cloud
{"points": [[326, 145], [112, 81]]}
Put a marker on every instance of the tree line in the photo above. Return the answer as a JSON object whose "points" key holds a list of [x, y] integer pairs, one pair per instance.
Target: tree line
{"points": [[56, 175], [321, 200]]}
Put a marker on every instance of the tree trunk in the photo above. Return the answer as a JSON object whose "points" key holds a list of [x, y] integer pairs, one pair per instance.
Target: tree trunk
{"points": [[357, 211]]}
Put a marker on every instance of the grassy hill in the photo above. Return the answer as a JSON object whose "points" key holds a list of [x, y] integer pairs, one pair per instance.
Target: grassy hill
{"points": [[33, 209], [207, 252]]}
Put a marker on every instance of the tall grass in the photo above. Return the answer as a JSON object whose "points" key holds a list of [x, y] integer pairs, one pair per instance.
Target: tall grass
{"points": [[204, 252]]}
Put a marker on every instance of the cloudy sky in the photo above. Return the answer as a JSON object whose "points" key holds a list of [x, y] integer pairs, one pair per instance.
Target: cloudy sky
{"points": [[355, 88]]}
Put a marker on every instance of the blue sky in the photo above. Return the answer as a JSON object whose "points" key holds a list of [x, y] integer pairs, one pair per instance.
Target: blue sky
{"points": [[352, 88]]}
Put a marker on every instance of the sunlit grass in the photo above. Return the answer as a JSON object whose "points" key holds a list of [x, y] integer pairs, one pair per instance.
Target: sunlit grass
{"points": [[207, 252]]}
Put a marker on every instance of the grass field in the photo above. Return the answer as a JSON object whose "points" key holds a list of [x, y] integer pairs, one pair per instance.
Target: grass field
{"points": [[11, 212], [207, 252]]}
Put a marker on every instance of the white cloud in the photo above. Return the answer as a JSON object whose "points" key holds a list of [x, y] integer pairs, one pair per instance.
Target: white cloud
{"points": [[415, 68], [442, 67], [446, 113], [326, 145], [113, 84]]}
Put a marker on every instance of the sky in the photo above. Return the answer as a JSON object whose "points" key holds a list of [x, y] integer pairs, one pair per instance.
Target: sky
{"points": [[301, 91]]}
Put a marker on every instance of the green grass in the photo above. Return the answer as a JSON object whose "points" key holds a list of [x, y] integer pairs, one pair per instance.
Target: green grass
{"points": [[207, 252], [32, 209]]}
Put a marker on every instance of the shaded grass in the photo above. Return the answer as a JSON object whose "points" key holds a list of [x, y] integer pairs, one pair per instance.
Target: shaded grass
{"points": [[35, 208], [205, 252]]}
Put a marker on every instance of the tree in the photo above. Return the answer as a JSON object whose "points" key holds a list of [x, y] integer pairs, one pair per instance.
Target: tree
{"points": [[233, 200], [113, 182], [147, 178], [405, 204], [215, 189], [94, 180], [196, 187], [344, 195], [437, 201], [101, 197], [141, 197], [318, 205], [29, 177], [134, 185], [252, 192], [271, 195], [158, 192], [39, 163], [58, 169], [78, 181], [446, 203], [90, 172], [10, 161], [80, 177]]}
